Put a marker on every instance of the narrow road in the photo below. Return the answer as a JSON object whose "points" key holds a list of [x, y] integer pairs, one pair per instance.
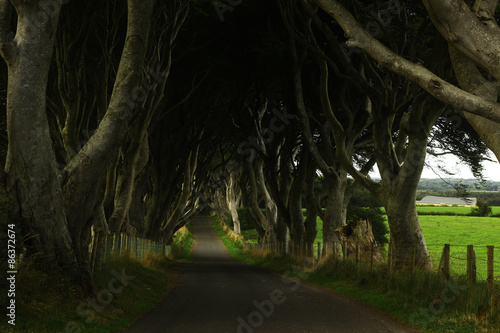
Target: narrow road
{"points": [[217, 293]]}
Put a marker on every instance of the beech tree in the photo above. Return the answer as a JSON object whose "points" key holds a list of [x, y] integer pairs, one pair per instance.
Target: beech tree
{"points": [[61, 193], [33, 176], [400, 165]]}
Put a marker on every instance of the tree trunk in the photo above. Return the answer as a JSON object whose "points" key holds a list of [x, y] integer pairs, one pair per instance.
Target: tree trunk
{"points": [[233, 199], [335, 213], [138, 208], [311, 210], [399, 193], [406, 233], [31, 165], [83, 176], [153, 204], [249, 210], [271, 208], [134, 161], [169, 226], [261, 219], [297, 228]]}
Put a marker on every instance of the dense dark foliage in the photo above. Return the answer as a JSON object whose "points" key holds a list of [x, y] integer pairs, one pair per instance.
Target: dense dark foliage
{"points": [[364, 206]]}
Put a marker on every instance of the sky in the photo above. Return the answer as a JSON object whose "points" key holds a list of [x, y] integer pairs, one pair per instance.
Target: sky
{"points": [[453, 164]]}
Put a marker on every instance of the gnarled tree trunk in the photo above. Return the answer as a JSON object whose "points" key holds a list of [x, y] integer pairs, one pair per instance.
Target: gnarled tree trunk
{"points": [[31, 165], [83, 177]]}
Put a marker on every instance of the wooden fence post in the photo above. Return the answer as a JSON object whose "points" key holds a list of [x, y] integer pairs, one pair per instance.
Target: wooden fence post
{"points": [[319, 251], [471, 265], [444, 264], [491, 276]]}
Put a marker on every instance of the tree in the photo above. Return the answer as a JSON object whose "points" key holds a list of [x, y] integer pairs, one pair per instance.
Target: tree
{"points": [[363, 205], [318, 137], [482, 209], [33, 176], [369, 104], [66, 198]]}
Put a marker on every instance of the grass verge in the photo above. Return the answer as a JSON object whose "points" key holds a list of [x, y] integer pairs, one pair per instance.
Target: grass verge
{"points": [[48, 302], [422, 300]]}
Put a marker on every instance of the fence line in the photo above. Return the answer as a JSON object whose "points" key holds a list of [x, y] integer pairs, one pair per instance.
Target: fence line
{"points": [[476, 262], [106, 247]]}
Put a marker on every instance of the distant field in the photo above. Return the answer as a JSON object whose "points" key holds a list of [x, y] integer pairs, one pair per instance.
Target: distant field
{"points": [[451, 209]]}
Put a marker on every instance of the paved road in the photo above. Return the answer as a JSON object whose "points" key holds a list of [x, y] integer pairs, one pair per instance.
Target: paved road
{"points": [[216, 293]]}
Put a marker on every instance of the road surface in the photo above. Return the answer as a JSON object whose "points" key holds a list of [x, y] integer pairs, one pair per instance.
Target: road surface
{"points": [[216, 293]]}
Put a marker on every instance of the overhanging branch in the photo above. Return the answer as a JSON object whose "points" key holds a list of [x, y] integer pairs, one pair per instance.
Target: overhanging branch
{"points": [[416, 73]]}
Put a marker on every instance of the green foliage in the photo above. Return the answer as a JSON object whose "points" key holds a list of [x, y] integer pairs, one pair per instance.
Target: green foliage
{"points": [[245, 223], [481, 209], [181, 246], [364, 205]]}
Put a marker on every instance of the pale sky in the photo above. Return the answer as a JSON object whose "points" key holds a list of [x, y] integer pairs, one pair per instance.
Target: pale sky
{"points": [[452, 164]]}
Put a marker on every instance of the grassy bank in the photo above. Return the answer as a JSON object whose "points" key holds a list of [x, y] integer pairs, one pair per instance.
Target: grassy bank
{"points": [[48, 302], [422, 300]]}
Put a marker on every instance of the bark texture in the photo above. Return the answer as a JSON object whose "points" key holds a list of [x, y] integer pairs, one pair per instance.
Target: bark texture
{"points": [[31, 165], [83, 177]]}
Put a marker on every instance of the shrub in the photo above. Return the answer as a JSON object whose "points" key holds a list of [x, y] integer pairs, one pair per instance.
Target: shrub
{"points": [[375, 215], [482, 209]]}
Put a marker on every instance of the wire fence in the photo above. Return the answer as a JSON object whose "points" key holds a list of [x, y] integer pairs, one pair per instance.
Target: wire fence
{"points": [[481, 262], [106, 247]]}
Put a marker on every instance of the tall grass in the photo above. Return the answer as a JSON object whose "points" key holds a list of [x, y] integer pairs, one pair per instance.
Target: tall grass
{"points": [[48, 302], [180, 249]]}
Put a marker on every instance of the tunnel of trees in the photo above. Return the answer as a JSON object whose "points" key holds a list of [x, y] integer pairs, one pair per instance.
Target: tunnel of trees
{"points": [[132, 116]]}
